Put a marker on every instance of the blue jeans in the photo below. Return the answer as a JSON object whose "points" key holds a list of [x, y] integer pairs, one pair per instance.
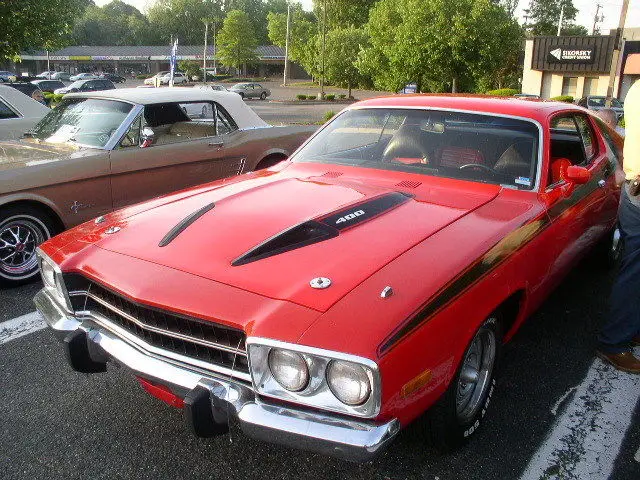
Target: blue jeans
{"points": [[623, 323]]}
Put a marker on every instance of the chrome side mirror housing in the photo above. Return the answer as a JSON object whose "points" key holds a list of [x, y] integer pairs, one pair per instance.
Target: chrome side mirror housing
{"points": [[147, 137]]}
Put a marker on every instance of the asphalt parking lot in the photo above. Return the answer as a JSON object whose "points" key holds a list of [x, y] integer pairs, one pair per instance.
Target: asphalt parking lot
{"points": [[558, 413]]}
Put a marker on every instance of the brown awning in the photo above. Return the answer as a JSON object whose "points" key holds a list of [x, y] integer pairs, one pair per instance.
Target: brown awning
{"points": [[632, 65]]}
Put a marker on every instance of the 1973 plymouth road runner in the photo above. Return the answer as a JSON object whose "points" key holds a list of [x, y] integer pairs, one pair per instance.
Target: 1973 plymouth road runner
{"points": [[327, 302], [100, 151]]}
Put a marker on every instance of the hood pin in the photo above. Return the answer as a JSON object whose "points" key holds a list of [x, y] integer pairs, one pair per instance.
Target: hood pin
{"points": [[320, 283], [112, 230], [386, 292]]}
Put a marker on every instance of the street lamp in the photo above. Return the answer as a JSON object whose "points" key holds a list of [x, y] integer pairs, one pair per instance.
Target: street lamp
{"points": [[286, 44], [204, 56]]}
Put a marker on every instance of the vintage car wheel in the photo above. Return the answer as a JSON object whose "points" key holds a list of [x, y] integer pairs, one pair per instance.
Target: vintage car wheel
{"points": [[460, 411], [263, 96], [22, 229]]}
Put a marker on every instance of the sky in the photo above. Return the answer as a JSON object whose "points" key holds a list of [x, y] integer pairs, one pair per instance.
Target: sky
{"points": [[586, 11]]}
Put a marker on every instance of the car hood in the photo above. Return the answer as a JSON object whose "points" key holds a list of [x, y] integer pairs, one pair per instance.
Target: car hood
{"points": [[274, 238], [25, 153]]}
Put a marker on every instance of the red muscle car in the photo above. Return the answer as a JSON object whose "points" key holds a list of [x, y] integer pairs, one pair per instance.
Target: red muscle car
{"points": [[329, 301]]}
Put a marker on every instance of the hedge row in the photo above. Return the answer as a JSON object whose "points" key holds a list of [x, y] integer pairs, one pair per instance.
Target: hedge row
{"points": [[329, 97], [503, 92], [563, 98]]}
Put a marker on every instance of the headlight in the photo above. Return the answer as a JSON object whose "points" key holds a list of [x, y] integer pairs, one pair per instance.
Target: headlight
{"points": [[348, 382], [52, 279], [322, 379], [289, 369]]}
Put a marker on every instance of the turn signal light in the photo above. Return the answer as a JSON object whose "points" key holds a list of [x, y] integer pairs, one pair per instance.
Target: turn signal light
{"points": [[162, 393]]}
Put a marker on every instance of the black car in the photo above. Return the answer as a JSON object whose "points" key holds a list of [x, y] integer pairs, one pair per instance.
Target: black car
{"points": [[30, 90], [48, 85], [87, 86], [113, 77]]}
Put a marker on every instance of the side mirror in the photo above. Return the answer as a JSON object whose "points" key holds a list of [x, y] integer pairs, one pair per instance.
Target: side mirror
{"points": [[577, 175], [147, 137]]}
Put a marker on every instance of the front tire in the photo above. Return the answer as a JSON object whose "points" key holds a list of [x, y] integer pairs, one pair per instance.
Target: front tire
{"points": [[22, 230], [457, 416], [263, 96]]}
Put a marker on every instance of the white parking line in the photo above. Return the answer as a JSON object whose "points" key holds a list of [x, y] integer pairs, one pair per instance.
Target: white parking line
{"points": [[586, 438], [20, 326]]}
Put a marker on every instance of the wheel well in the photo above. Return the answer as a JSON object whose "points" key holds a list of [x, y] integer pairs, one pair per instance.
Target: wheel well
{"points": [[270, 160], [59, 225], [509, 310]]}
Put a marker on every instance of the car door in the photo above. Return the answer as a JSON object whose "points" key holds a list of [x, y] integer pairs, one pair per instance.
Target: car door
{"points": [[579, 214], [12, 123], [183, 153]]}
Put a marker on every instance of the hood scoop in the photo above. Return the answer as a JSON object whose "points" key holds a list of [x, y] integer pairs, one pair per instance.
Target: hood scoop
{"points": [[323, 228]]}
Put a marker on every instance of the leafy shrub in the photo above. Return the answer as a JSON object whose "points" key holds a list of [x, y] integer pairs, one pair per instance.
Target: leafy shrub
{"points": [[301, 97], [342, 96], [621, 122], [190, 68], [52, 99], [563, 98], [329, 115], [144, 76], [503, 92], [330, 97]]}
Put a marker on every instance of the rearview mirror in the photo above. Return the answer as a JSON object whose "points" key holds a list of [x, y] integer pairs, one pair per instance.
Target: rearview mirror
{"points": [[147, 137], [577, 175]]}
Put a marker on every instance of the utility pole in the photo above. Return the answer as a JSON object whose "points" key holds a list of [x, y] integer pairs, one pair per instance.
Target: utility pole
{"points": [[204, 56], [286, 45], [615, 58], [596, 19], [215, 50], [324, 39], [560, 21]]}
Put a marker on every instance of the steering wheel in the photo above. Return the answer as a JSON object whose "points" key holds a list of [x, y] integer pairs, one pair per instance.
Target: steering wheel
{"points": [[478, 166]]}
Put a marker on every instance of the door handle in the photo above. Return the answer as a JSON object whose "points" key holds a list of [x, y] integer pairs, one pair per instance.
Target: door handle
{"points": [[216, 144], [602, 183]]}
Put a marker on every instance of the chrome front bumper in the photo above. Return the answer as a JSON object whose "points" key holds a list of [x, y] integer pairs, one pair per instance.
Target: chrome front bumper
{"points": [[91, 346]]}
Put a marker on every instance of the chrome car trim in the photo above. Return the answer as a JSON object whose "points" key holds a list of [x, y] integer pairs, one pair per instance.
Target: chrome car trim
{"points": [[159, 352], [534, 187], [347, 438], [169, 333]]}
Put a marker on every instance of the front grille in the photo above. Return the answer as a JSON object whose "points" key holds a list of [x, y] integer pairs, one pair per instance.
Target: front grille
{"points": [[220, 348]]}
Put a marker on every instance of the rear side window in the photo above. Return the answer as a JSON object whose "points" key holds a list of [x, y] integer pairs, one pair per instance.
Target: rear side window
{"points": [[572, 138], [6, 111], [588, 139]]}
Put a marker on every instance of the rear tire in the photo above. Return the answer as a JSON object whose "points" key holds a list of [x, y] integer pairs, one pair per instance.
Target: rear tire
{"points": [[22, 229], [263, 96], [459, 413]]}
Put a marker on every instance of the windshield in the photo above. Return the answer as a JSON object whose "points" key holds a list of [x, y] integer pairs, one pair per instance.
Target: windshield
{"points": [[475, 147], [602, 102], [87, 121]]}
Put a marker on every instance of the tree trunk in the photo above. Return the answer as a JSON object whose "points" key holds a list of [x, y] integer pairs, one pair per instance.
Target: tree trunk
{"points": [[349, 83], [454, 86]]}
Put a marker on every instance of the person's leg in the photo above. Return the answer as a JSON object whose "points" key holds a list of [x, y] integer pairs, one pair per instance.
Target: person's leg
{"points": [[623, 323]]}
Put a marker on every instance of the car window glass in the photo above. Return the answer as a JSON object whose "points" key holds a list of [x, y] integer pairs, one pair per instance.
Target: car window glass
{"points": [[588, 140], [566, 141], [616, 149], [224, 123], [6, 111], [202, 111], [132, 137]]}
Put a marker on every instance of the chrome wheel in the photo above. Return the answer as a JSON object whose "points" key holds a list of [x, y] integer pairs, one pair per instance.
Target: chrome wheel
{"points": [[19, 238], [475, 375]]}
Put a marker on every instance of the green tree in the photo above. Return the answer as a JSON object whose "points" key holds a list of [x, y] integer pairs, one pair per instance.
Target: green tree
{"points": [[443, 46], [236, 40], [117, 23], [344, 13], [545, 14], [342, 48], [30, 24], [182, 19], [302, 37]]}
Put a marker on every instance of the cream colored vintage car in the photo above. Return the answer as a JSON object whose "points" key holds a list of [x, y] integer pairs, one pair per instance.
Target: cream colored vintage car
{"points": [[100, 151]]}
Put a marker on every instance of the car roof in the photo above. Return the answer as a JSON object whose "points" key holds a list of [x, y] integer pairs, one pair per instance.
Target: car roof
{"points": [[26, 105], [148, 96], [518, 107]]}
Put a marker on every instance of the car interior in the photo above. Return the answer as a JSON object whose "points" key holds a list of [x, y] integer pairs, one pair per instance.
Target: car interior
{"points": [[567, 146], [454, 145]]}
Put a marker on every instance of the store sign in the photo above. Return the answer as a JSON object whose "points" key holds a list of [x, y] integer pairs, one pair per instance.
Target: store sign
{"points": [[571, 55]]}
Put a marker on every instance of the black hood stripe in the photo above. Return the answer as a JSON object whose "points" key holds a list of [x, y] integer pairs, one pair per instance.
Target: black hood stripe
{"points": [[184, 224], [323, 228]]}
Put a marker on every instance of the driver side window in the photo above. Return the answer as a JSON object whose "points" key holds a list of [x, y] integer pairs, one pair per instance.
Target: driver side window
{"points": [[132, 137]]}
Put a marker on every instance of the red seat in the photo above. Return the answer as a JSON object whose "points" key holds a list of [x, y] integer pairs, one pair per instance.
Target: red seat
{"points": [[455, 157]]}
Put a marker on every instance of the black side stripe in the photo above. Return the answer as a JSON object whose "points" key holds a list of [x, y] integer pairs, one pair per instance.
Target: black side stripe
{"points": [[489, 261], [184, 224], [481, 267]]}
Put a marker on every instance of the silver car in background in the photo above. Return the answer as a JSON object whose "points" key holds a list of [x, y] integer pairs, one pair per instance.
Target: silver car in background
{"points": [[251, 90]]}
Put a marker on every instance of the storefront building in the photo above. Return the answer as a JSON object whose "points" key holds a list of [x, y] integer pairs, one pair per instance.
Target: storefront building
{"points": [[579, 66], [130, 60]]}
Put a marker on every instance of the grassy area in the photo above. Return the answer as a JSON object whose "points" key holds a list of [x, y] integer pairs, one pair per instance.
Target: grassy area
{"points": [[307, 84]]}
